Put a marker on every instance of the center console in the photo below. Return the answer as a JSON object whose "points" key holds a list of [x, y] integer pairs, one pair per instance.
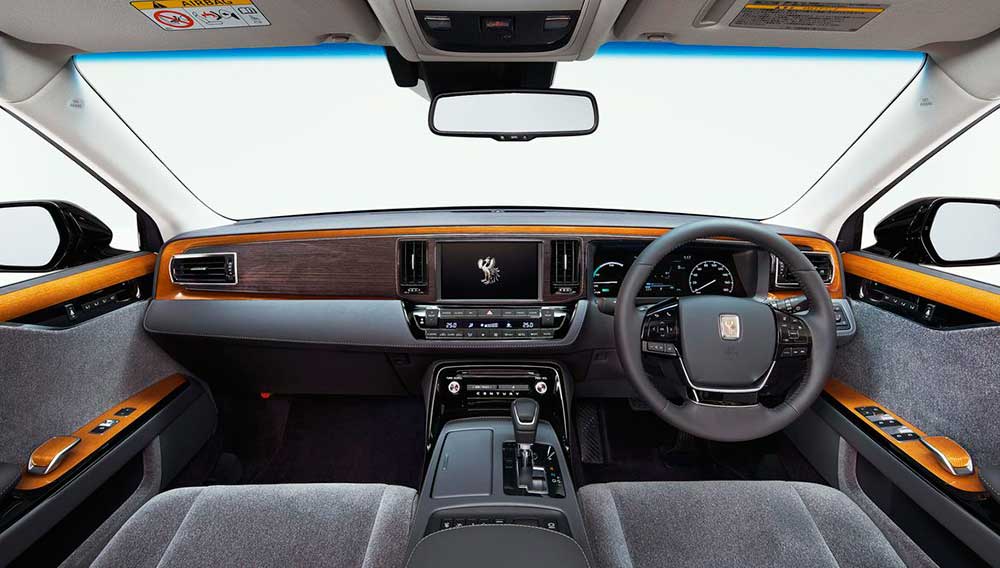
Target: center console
{"points": [[473, 479], [497, 436]]}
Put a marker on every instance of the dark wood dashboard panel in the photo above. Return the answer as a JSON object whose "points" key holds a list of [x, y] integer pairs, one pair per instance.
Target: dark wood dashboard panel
{"points": [[321, 267], [362, 263]]}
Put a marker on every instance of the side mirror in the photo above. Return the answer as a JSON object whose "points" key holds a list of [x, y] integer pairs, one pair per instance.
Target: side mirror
{"points": [[514, 116], [943, 231], [42, 236]]}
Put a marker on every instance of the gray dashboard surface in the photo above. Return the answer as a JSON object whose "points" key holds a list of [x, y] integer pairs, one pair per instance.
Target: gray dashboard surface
{"points": [[375, 324]]}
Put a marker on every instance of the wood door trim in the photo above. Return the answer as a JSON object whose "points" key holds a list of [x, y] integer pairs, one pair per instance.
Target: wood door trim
{"points": [[167, 290], [27, 300], [948, 292], [143, 402], [851, 399]]}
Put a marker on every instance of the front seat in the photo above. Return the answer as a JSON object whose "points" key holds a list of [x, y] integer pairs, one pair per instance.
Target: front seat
{"points": [[334, 525], [730, 523]]}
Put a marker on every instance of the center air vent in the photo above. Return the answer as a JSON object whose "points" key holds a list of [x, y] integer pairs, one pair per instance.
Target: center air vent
{"points": [[209, 269], [413, 267], [565, 266], [821, 260]]}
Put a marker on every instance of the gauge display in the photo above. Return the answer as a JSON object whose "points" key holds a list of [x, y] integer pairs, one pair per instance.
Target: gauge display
{"points": [[710, 277], [608, 277], [692, 269]]}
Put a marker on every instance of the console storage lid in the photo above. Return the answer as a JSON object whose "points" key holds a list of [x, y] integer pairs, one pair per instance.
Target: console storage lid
{"points": [[496, 546]]}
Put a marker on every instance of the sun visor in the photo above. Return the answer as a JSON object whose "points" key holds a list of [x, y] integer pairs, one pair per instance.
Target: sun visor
{"points": [[151, 25], [848, 24]]}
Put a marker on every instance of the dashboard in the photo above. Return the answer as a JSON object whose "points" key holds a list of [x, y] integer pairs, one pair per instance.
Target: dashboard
{"points": [[717, 269], [441, 287], [361, 303]]}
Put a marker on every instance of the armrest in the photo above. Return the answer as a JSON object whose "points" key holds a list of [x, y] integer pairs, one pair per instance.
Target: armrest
{"points": [[497, 546]]}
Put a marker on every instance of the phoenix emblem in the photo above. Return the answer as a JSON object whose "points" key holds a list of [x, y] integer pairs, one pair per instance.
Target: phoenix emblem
{"points": [[491, 272]]}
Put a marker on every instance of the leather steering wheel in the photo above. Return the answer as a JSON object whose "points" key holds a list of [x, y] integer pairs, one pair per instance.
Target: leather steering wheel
{"points": [[724, 345]]}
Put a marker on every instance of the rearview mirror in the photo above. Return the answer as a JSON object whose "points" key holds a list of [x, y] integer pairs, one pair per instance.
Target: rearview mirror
{"points": [[42, 236], [516, 116], [943, 231]]}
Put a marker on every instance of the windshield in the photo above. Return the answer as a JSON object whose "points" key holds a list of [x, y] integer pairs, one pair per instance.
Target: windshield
{"points": [[737, 132]]}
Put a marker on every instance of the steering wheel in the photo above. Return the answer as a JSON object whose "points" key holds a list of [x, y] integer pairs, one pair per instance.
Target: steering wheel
{"points": [[725, 346]]}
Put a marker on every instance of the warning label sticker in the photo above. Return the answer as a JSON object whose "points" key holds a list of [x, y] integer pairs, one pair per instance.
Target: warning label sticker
{"points": [[173, 15], [821, 16]]}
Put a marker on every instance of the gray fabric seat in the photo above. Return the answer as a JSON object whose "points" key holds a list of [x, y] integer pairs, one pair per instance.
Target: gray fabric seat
{"points": [[730, 523], [333, 525]]}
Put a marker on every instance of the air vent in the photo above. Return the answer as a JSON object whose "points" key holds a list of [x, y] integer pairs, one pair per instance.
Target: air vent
{"points": [[565, 266], [209, 269], [821, 260], [413, 267]]}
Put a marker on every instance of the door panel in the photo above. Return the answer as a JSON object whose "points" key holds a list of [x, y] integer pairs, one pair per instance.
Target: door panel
{"points": [[56, 380], [926, 352], [73, 353], [945, 381]]}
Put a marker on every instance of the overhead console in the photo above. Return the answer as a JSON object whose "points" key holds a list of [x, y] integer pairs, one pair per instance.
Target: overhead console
{"points": [[508, 30], [499, 26]]}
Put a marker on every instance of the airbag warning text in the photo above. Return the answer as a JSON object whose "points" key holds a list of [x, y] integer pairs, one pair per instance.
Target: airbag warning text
{"points": [[175, 15], [814, 16]]}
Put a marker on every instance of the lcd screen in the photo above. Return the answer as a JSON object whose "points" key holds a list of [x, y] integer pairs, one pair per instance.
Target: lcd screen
{"points": [[489, 270]]}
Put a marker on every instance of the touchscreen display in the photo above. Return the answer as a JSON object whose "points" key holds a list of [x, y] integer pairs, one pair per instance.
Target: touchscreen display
{"points": [[489, 270]]}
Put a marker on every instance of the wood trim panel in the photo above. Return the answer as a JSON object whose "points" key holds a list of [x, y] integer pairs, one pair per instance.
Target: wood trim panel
{"points": [[851, 399], [318, 267], [27, 300], [90, 443], [948, 292], [167, 290]]}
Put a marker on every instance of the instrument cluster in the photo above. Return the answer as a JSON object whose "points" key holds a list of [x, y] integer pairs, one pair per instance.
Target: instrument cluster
{"points": [[690, 270]]}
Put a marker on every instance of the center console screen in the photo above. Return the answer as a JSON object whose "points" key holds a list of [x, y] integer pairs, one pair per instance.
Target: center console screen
{"points": [[489, 270]]}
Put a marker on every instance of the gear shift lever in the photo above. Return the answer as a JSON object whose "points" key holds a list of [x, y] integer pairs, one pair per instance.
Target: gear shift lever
{"points": [[524, 413]]}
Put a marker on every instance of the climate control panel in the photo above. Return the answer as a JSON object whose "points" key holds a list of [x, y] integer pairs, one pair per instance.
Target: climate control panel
{"points": [[489, 323]]}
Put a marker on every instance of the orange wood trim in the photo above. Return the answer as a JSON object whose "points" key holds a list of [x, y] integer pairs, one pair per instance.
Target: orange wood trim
{"points": [[852, 399], [27, 300], [143, 401], [960, 296], [167, 290]]}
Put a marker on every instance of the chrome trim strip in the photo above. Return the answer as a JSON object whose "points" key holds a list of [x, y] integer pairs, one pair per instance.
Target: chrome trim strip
{"points": [[763, 381]]}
